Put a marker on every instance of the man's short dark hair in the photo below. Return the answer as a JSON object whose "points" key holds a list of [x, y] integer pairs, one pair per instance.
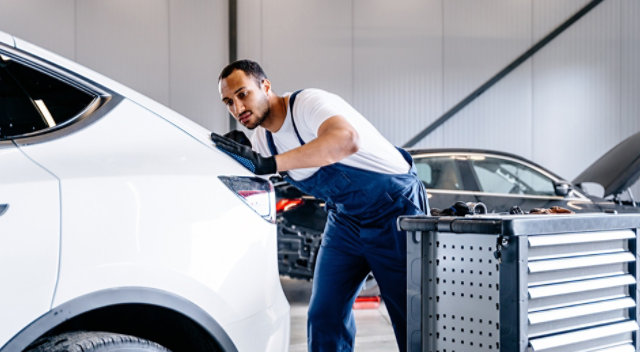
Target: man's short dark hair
{"points": [[250, 68]]}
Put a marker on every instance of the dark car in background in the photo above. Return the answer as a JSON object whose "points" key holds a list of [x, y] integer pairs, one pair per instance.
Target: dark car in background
{"points": [[499, 180]]}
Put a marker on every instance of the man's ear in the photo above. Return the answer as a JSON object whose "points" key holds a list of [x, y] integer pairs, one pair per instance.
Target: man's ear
{"points": [[265, 85]]}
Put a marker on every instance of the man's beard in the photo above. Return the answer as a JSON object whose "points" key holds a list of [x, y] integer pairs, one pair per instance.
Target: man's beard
{"points": [[260, 119]]}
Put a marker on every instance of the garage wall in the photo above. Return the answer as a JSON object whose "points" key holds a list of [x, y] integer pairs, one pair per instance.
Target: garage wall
{"points": [[478, 44], [403, 64], [170, 50], [581, 88], [397, 63]]}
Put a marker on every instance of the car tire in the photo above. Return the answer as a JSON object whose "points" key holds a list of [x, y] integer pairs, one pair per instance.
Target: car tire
{"points": [[94, 341]]}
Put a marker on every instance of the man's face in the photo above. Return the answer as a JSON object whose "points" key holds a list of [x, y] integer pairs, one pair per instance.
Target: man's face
{"points": [[245, 98]]}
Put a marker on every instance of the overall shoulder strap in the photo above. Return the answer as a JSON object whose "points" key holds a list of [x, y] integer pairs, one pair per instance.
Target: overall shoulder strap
{"points": [[292, 99], [272, 145]]}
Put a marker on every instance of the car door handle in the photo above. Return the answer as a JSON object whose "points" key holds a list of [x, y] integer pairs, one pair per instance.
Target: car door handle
{"points": [[3, 208]]}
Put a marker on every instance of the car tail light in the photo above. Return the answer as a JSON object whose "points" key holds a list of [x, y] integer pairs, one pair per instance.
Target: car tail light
{"points": [[257, 193], [286, 204]]}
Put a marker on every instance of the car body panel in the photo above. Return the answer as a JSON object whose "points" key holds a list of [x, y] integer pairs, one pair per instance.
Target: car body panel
{"points": [[141, 206], [101, 300], [503, 201], [111, 198], [29, 240], [616, 170], [6, 39], [269, 329]]}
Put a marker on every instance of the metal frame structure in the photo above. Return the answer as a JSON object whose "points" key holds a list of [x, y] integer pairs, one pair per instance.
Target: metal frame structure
{"points": [[527, 283]]}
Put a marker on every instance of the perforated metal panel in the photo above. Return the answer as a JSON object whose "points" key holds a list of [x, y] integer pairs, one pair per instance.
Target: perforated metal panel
{"points": [[464, 297]]}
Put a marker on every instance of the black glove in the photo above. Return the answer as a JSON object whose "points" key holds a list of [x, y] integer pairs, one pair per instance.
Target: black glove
{"points": [[239, 137], [253, 161]]}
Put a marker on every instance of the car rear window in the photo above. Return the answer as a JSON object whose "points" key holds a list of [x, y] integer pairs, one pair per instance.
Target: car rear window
{"points": [[439, 172], [33, 101]]}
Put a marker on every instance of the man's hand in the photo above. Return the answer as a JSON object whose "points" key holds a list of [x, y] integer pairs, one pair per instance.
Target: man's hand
{"points": [[253, 161], [239, 137]]}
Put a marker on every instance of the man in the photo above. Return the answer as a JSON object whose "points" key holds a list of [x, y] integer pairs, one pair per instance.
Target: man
{"points": [[331, 151]]}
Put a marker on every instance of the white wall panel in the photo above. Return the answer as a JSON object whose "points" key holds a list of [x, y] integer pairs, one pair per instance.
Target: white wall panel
{"points": [[548, 14], [308, 44], [250, 34], [480, 39], [250, 40], [630, 68], [48, 24], [127, 41], [397, 66], [577, 92], [198, 47], [500, 119]]}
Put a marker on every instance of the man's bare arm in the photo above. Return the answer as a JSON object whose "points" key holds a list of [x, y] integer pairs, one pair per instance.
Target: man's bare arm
{"points": [[337, 139]]}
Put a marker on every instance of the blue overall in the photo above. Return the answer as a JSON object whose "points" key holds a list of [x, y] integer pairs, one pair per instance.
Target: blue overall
{"points": [[360, 236]]}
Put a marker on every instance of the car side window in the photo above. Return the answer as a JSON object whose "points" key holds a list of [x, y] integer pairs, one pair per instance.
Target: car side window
{"points": [[33, 101], [439, 172], [505, 176]]}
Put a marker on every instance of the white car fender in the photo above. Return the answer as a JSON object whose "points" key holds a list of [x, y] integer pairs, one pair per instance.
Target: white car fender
{"points": [[181, 230]]}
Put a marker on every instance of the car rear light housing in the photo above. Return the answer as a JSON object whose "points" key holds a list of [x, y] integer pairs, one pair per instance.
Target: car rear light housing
{"points": [[257, 193]]}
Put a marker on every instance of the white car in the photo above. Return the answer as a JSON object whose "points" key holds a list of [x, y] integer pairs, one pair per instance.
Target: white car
{"points": [[121, 225]]}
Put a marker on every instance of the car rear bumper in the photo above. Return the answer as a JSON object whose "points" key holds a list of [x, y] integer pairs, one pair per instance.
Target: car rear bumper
{"points": [[266, 331]]}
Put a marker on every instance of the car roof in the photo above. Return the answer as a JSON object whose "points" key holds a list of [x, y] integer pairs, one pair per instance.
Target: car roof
{"points": [[481, 151], [6, 39]]}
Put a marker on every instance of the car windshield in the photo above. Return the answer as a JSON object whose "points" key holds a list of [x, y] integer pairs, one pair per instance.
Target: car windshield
{"points": [[497, 175]]}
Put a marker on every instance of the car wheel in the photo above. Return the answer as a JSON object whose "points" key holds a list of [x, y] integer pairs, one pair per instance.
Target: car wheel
{"points": [[94, 341]]}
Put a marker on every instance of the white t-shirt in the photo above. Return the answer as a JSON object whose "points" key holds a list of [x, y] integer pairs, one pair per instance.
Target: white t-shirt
{"points": [[311, 108]]}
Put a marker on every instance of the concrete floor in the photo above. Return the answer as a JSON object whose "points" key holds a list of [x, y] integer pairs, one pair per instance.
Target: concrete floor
{"points": [[374, 331]]}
